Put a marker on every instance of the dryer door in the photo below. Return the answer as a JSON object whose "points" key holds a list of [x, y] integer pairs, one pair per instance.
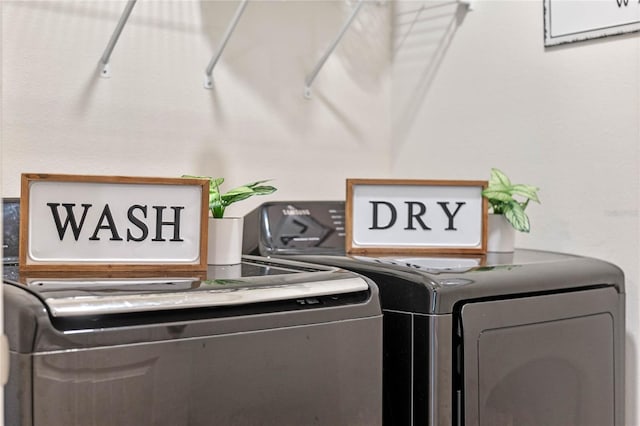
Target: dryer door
{"points": [[553, 360]]}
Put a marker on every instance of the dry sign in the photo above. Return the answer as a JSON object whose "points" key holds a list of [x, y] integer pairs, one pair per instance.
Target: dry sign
{"points": [[415, 216], [98, 223]]}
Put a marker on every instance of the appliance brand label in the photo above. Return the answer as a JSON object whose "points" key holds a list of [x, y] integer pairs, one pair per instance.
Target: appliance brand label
{"points": [[296, 212]]}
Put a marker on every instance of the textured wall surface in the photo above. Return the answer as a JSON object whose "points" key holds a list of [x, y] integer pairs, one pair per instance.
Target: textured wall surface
{"points": [[477, 89]]}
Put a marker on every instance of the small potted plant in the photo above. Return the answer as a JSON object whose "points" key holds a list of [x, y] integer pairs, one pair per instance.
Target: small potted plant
{"points": [[507, 202], [225, 233]]}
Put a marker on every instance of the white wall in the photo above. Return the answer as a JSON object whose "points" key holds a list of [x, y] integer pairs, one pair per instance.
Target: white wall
{"points": [[468, 91], [153, 116], [478, 90]]}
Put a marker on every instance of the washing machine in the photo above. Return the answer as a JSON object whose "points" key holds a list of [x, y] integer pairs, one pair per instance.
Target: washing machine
{"points": [[527, 338], [265, 342]]}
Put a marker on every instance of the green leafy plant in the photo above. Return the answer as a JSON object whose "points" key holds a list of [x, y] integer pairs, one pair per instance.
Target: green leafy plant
{"points": [[218, 201], [501, 195]]}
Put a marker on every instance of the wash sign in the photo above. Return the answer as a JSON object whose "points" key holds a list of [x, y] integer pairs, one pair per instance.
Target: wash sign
{"points": [[574, 20], [415, 216], [98, 223]]}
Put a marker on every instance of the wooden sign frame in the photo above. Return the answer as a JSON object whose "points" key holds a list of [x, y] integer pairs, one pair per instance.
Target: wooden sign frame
{"points": [[432, 224], [98, 224]]}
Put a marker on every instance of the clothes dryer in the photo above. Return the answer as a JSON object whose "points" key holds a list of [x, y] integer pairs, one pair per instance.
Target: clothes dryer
{"points": [[526, 338]]}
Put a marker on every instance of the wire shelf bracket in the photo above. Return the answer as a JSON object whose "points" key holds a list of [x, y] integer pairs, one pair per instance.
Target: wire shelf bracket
{"points": [[105, 68], [468, 3], [208, 74], [308, 82]]}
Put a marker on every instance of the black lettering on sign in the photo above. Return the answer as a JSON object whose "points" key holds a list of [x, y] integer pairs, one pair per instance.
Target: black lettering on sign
{"points": [[417, 216], [137, 222], [392, 219], [110, 225], [136, 214], [70, 220], [451, 216], [175, 223]]}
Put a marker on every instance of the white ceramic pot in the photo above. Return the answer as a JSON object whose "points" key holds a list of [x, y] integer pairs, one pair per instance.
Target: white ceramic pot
{"points": [[225, 241], [224, 272], [501, 236]]}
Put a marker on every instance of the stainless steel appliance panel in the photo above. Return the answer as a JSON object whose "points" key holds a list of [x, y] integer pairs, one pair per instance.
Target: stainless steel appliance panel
{"points": [[322, 374], [548, 360], [314, 359]]}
